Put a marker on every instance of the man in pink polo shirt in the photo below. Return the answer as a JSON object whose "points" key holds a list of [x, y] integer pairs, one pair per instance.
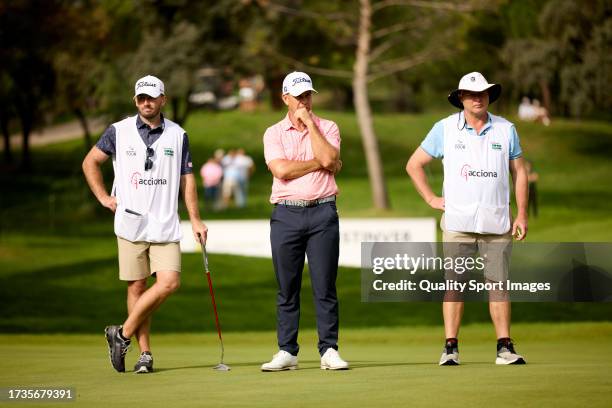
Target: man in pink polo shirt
{"points": [[302, 152]]}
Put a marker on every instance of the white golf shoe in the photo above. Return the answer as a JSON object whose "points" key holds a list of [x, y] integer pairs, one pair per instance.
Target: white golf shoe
{"points": [[450, 355], [331, 360], [506, 355], [281, 361]]}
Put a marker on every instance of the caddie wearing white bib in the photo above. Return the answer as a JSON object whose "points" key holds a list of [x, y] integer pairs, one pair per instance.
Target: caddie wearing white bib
{"points": [[480, 153], [152, 164]]}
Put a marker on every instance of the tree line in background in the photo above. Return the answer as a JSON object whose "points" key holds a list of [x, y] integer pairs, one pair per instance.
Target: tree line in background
{"points": [[79, 58]]}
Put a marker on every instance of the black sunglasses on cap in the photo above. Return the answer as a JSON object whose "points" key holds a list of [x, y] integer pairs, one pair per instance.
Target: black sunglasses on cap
{"points": [[148, 161]]}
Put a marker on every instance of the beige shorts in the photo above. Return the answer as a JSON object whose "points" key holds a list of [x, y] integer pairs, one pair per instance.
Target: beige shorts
{"points": [[228, 188], [139, 260], [493, 248]]}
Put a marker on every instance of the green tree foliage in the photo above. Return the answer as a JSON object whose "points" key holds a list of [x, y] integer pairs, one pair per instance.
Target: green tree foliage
{"points": [[567, 57], [173, 57], [28, 32], [7, 112], [77, 61]]}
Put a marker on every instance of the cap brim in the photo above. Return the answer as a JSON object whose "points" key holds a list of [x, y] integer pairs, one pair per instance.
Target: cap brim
{"points": [[152, 93], [453, 98], [493, 90], [494, 93], [299, 91]]}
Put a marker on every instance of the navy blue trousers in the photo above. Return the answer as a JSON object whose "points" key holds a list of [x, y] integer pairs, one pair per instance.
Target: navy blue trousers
{"points": [[311, 231]]}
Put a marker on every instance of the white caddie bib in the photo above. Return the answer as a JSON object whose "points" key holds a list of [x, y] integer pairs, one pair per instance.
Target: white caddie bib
{"points": [[476, 177], [147, 201]]}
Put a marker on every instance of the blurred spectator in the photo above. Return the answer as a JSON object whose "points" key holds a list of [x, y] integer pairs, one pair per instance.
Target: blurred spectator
{"points": [[257, 81], [247, 96], [230, 179], [245, 167], [542, 113], [237, 168], [212, 174], [532, 111], [227, 98], [526, 111]]}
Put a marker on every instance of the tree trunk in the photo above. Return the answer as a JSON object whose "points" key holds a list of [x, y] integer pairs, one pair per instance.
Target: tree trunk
{"points": [[180, 115], [187, 105], [26, 129], [6, 136], [546, 99], [364, 113], [85, 125], [274, 82], [175, 111]]}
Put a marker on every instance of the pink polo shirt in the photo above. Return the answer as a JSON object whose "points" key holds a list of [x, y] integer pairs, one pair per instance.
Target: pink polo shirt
{"points": [[284, 141], [211, 173]]}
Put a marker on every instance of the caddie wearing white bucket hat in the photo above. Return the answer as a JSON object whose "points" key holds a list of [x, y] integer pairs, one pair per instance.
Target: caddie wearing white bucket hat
{"points": [[474, 82], [480, 151]]}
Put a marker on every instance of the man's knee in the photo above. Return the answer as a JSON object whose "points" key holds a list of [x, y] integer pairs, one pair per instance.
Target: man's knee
{"points": [[137, 287], [174, 285], [170, 284]]}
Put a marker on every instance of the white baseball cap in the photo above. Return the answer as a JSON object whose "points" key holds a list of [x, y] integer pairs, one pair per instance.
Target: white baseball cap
{"points": [[149, 85], [475, 82], [296, 83]]}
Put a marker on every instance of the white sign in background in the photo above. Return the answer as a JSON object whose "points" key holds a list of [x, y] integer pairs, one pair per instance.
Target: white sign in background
{"points": [[252, 237]]}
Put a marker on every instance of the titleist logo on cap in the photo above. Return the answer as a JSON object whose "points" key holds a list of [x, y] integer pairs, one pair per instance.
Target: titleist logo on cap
{"points": [[144, 83], [299, 80]]}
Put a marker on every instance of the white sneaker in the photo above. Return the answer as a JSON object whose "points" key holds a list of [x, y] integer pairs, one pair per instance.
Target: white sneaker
{"points": [[281, 361], [331, 360], [506, 355], [450, 355]]}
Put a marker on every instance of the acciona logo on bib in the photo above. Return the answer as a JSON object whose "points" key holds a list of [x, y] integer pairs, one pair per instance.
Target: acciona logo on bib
{"points": [[137, 180], [467, 171]]}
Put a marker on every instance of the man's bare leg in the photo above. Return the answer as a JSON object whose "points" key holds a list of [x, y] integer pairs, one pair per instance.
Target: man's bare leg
{"points": [[167, 283], [135, 291], [499, 308], [452, 312]]}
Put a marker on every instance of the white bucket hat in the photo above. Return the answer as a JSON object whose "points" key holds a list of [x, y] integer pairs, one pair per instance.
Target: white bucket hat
{"points": [[296, 83], [475, 82], [149, 85]]}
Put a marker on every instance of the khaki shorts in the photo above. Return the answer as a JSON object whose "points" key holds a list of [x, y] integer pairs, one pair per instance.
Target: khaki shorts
{"points": [[139, 260], [494, 249], [228, 188]]}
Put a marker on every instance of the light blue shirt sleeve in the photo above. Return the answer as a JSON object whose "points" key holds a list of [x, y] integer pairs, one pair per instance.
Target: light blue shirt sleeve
{"points": [[515, 145], [434, 141]]}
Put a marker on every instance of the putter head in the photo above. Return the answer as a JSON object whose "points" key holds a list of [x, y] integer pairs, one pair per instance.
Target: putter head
{"points": [[221, 367]]}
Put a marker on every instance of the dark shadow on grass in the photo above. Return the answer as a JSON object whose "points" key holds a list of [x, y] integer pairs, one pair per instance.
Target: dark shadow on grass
{"points": [[353, 365], [161, 370], [86, 296], [589, 201], [211, 366], [593, 143]]}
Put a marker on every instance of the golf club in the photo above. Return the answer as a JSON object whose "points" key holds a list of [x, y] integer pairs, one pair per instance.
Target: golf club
{"points": [[221, 366]]}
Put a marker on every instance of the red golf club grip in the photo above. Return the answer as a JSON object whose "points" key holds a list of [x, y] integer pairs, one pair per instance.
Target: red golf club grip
{"points": [[212, 298]]}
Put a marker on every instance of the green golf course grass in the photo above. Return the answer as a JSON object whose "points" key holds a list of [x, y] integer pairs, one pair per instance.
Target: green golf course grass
{"points": [[58, 275], [568, 366], [68, 284], [571, 157]]}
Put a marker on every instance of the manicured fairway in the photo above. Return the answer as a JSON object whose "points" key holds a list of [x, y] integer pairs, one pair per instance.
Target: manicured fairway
{"points": [[58, 274], [569, 365]]}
